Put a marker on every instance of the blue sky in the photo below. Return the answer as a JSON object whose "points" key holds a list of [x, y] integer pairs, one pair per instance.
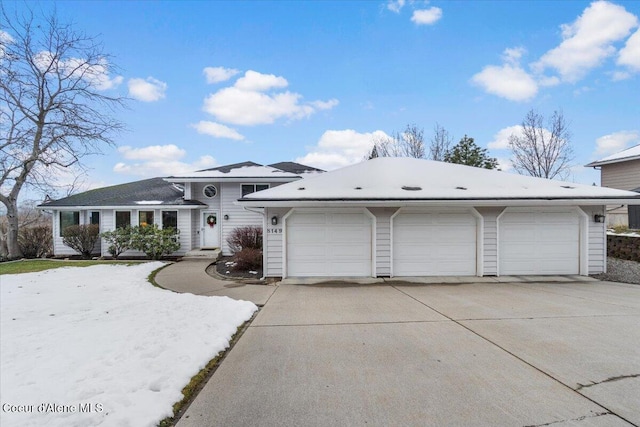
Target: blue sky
{"points": [[215, 83]]}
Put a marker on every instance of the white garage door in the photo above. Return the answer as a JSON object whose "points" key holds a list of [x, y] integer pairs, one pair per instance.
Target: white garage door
{"points": [[539, 242], [434, 244], [329, 244]]}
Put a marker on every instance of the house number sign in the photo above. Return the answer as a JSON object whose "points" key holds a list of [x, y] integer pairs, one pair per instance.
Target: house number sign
{"points": [[274, 230]]}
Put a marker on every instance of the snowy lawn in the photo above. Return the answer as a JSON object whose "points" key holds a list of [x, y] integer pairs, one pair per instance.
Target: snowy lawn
{"points": [[103, 344]]}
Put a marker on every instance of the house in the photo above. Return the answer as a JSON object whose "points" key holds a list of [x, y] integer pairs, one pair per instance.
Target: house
{"points": [[201, 205], [621, 170], [408, 217]]}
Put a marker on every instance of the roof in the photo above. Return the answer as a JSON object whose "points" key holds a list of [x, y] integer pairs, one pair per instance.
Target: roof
{"points": [[404, 179], [632, 153], [237, 171], [154, 191], [294, 167]]}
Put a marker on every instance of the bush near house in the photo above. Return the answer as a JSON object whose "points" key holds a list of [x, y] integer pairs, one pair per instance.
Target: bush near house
{"points": [[36, 241], [155, 242], [81, 238], [119, 240], [246, 245]]}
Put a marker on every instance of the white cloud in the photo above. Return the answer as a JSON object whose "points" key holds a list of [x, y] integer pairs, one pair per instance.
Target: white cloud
{"points": [[252, 101], [629, 55], [426, 16], [96, 74], [501, 139], [5, 39], [148, 90], [504, 164], [508, 81], [219, 74], [258, 82], [615, 142], [159, 160], [338, 148], [395, 5], [152, 152], [588, 41], [217, 130]]}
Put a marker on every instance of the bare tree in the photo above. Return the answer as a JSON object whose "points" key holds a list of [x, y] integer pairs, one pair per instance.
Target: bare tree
{"points": [[440, 143], [53, 106], [409, 143], [541, 151]]}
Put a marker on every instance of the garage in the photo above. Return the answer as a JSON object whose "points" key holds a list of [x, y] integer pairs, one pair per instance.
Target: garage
{"points": [[434, 243], [329, 243], [539, 241]]}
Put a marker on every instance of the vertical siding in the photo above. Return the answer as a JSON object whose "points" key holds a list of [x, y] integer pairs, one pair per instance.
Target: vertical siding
{"points": [[238, 217], [107, 223], [383, 240], [490, 239], [273, 244], [597, 240]]}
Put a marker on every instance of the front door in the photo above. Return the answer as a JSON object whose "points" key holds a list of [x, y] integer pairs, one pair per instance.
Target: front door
{"points": [[210, 229]]}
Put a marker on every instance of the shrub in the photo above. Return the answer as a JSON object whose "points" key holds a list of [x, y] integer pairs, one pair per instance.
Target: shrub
{"points": [[119, 240], [81, 238], [245, 238], [620, 229], [35, 242], [155, 242], [247, 259]]}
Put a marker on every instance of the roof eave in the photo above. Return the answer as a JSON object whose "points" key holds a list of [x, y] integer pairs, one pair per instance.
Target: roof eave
{"points": [[127, 207], [532, 201], [612, 161]]}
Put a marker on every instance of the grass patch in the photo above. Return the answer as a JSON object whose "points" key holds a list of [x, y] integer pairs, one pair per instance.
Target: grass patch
{"points": [[198, 381], [35, 265]]}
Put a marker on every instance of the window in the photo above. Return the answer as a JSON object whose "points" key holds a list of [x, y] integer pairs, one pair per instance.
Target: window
{"points": [[170, 219], [252, 188], [210, 191], [94, 218], [123, 219], [68, 218], [145, 218]]}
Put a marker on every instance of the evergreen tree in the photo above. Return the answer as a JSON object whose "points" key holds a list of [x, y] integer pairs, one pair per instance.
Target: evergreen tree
{"points": [[466, 152]]}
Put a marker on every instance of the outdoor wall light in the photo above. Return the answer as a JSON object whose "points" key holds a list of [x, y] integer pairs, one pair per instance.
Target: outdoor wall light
{"points": [[274, 220], [226, 217], [598, 218]]}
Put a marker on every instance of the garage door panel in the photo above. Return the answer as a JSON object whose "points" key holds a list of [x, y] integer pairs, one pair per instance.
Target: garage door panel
{"points": [[541, 242], [434, 243], [328, 244]]}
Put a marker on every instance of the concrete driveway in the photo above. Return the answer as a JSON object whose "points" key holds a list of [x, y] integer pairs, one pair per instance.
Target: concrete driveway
{"points": [[483, 354]]}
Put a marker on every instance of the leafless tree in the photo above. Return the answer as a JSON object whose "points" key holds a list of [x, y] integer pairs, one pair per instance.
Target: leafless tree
{"points": [[440, 143], [54, 109], [541, 151], [409, 143]]}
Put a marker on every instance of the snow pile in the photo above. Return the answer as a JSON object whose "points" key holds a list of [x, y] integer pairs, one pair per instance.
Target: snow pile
{"points": [[101, 346]]}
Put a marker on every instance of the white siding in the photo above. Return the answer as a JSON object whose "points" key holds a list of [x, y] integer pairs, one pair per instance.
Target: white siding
{"points": [[59, 248], [490, 241], [184, 225], [272, 243], [238, 217], [383, 240], [107, 223], [597, 240]]}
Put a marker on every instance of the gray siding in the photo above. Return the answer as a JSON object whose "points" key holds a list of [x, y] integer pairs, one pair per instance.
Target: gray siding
{"points": [[490, 239], [383, 240], [273, 243], [623, 175], [597, 251]]}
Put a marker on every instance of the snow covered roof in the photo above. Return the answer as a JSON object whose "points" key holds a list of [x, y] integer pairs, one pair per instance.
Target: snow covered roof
{"points": [[632, 153], [405, 179], [235, 172]]}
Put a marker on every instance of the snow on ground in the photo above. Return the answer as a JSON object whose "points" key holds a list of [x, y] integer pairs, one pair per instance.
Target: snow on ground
{"points": [[103, 336]]}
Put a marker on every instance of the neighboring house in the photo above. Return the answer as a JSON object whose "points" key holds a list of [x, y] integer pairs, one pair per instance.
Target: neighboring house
{"points": [[201, 205], [621, 170], [408, 217]]}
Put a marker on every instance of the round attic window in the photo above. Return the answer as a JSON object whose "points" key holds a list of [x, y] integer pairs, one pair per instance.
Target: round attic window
{"points": [[210, 191]]}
